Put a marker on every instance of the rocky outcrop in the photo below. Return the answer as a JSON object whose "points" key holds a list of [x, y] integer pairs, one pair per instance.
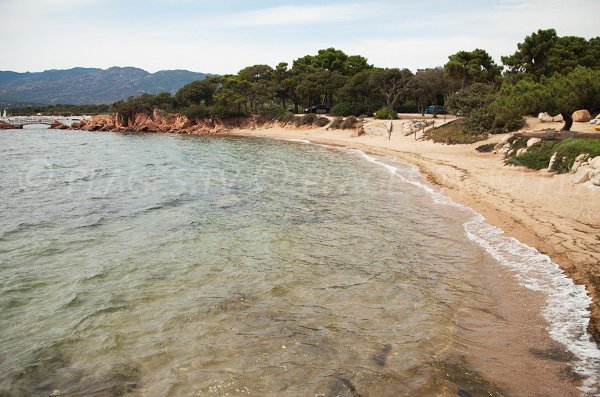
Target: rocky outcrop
{"points": [[581, 116], [158, 122], [6, 126], [57, 125]]}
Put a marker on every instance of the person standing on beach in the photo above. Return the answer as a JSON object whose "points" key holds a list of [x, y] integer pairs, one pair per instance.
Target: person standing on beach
{"points": [[390, 126]]}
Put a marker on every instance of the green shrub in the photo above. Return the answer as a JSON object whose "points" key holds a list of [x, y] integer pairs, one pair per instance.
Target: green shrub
{"points": [[385, 113], [487, 148], [470, 99], [538, 156], [480, 121], [322, 121], [288, 118], [195, 112], [569, 149], [224, 112], [340, 123], [306, 120], [336, 124], [408, 106], [453, 133], [272, 112], [346, 109]]}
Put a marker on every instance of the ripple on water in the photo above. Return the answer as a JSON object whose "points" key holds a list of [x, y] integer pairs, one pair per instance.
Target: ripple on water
{"points": [[244, 266]]}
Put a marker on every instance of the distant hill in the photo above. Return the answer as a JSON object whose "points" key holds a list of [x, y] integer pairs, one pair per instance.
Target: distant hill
{"points": [[89, 85]]}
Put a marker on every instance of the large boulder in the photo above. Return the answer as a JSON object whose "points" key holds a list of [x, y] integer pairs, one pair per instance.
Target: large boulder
{"points": [[581, 116], [582, 175], [595, 162], [533, 141]]}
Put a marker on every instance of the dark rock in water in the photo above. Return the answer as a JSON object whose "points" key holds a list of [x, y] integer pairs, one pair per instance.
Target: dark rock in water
{"points": [[464, 393], [343, 387], [381, 357]]}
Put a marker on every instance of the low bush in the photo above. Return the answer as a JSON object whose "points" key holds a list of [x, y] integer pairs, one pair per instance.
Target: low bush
{"points": [[322, 121], [340, 123], [385, 113], [307, 120], [346, 109], [538, 156], [453, 133], [569, 149], [288, 118], [487, 148]]}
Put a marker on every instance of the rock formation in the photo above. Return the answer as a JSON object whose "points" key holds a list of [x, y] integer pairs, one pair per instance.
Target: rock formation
{"points": [[57, 125], [158, 122]]}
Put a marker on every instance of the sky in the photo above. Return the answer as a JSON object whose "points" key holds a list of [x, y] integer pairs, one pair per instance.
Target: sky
{"points": [[224, 36]]}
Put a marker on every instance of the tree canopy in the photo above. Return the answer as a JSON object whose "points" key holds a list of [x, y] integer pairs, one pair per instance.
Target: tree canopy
{"points": [[544, 53], [475, 66], [547, 73]]}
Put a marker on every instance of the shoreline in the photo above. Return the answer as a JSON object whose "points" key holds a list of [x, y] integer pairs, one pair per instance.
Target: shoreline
{"points": [[564, 227], [540, 335]]}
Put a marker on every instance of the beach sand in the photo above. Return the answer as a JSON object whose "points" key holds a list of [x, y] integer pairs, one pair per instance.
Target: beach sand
{"points": [[538, 208]]}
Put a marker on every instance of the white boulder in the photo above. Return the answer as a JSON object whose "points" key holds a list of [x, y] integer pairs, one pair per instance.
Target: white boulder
{"points": [[546, 118], [595, 162], [582, 175], [499, 145], [533, 141], [552, 161]]}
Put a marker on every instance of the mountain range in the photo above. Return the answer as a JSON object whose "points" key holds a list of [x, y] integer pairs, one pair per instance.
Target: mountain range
{"points": [[89, 85]]}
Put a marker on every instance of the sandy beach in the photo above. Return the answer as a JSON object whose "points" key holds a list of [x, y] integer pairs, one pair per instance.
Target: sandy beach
{"points": [[538, 208]]}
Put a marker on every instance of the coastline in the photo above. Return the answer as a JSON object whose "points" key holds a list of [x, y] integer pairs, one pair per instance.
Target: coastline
{"points": [[537, 208]]}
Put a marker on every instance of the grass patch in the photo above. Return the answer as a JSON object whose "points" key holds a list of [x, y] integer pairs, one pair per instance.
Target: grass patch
{"points": [[569, 149], [538, 156], [453, 133]]}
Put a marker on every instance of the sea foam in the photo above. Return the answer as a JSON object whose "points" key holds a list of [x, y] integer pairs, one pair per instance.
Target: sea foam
{"points": [[567, 303]]}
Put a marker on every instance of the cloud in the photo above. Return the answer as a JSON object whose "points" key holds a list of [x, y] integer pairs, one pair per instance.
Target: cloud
{"points": [[296, 15]]}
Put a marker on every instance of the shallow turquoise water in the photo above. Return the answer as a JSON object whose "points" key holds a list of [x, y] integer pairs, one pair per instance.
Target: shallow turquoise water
{"points": [[172, 265]]}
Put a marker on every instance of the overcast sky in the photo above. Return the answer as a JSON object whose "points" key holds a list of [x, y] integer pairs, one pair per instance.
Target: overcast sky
{"points": [[224, 36]]}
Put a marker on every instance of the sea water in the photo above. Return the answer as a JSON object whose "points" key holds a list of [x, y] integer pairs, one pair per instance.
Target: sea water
{"points": [[170, 265]]}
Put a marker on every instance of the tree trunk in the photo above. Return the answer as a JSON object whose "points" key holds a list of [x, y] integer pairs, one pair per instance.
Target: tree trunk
{"points": [[568, 121]]}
